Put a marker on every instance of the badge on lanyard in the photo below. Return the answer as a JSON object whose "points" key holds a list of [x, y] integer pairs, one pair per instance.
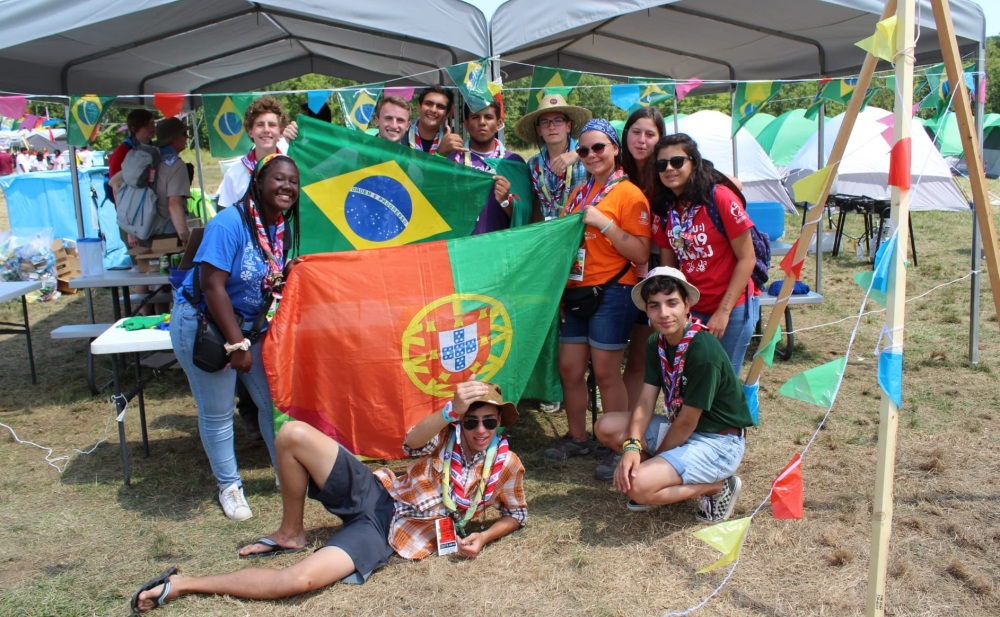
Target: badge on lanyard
{"points": [[446, 538]]}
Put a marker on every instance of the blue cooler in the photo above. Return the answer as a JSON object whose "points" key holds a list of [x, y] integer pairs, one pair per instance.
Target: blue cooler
{"points": [[769, 217]]}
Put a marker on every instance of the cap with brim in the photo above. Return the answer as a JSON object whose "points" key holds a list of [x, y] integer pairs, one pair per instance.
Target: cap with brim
{"points": [[167, 130], [508, 411], [551, 103], [692, 291]]}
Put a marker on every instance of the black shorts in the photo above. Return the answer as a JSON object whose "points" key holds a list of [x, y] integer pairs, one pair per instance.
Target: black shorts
{"points": [[353, 493]]}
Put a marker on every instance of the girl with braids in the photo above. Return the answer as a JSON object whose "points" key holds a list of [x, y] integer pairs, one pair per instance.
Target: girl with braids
{"points": [[239, 267]]}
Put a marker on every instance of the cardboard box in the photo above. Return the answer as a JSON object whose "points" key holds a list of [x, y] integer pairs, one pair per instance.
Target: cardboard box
{"points": [[63, 287]]}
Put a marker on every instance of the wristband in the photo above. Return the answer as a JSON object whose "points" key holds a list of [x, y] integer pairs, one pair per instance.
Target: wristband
{"points": [[449, 414], [632, 441], [632, 448], [243, 345], [608, 226]]}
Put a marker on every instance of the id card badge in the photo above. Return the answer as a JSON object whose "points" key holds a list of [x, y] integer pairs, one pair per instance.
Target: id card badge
{"points": [[447, 540], [661, 433], [576, 272]]}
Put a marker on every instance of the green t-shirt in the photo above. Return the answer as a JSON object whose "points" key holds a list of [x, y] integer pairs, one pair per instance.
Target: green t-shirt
{"points": [[708, 382]]}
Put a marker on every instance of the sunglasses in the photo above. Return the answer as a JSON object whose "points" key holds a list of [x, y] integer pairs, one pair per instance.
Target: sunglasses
{"points": [[598, 148], [471, 423], [676, 162]]}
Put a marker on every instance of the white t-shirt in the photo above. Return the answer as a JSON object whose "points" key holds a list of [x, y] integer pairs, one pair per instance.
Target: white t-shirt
{"points": [[237, 179], [86, 158], [23, 164]]}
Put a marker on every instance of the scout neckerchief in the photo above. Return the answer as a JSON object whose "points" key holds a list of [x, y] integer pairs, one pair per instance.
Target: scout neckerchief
{"points": [[274, 252], [453, 494], [498, 153], [680, 233], [672, 397], [583, 197], [250, 160], [416, 141], [550, 188]]}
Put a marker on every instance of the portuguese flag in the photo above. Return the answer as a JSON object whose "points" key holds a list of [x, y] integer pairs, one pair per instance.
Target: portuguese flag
{"points": [[366, 343], [364, 192]]}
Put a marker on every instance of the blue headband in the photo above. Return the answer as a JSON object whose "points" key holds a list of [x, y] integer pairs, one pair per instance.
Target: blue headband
{"points": [[602, 125]]}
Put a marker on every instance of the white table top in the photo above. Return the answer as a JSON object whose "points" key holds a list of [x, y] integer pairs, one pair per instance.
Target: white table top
{"points": [[119, 278], [15, 289], [810, 298], [120, 340]]}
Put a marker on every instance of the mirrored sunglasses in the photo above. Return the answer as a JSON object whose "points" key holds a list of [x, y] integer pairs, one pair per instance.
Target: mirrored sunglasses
{"points": [[675, 161]]}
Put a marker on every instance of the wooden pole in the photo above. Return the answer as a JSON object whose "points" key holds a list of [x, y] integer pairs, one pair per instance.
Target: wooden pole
{"points": [[815, 215], [895, 316], [970, 143]]}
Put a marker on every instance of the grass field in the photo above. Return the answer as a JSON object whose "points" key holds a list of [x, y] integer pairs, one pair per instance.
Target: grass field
{"points": [[78, 542]]}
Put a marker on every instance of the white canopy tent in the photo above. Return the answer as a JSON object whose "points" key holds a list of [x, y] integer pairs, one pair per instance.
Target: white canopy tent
{"points": [[864, 169], [761, 180]]}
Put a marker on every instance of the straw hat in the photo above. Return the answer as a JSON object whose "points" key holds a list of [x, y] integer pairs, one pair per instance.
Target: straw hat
{"points": [[551, 102], [692, 291], [508, 411]]}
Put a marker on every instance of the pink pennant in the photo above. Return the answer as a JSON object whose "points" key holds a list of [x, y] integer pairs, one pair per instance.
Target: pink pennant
{"points": [[888, 120], [29, 122], [787, 500], [981, 93], [169, 103], [13, 106], [404, 93], [681, 89], [899, 164]]}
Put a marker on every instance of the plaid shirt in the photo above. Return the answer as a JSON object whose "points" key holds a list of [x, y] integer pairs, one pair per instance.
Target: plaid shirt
{"points": [[417, 492]]}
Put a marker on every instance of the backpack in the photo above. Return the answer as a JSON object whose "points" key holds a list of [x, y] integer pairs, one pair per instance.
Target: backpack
{"points": [[761, 245], [137, 200]]}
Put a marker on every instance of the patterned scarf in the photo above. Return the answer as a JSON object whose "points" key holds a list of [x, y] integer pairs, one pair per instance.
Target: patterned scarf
{"points": [[453, 494], [550, 188], [498, 153], [274, 252], [583, 198], [250, 160], [416, 141], [680, 233], [672, 398]]}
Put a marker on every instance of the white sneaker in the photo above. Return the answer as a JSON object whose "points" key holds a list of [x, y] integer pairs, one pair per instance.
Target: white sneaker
{"points": [[549, 406], [234, 504]]}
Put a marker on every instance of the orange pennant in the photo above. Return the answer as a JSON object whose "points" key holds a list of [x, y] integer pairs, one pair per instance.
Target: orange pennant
{"points": [[786, 492], [169, 103], [899, 164], [789, 268]]}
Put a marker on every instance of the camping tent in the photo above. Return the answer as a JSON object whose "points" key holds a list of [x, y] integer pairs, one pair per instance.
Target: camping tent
{"points": [[783, 137], [712, 129], [864, 169], [757, 122], [944, 134]]}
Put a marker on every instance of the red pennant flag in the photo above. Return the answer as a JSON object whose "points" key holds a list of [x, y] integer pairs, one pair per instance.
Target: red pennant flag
{"points": [[786, 492], [169, 103], [899, 164], [788, 267]]}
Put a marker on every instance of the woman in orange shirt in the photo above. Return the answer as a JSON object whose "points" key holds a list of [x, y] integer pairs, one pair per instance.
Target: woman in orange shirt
{"points": [[617, 233]]}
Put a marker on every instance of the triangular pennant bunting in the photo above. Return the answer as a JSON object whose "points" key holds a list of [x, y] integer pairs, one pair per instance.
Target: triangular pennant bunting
{"points": [[890, 375], [85, 113], [817, 385], [727, 538], [786, 493]]}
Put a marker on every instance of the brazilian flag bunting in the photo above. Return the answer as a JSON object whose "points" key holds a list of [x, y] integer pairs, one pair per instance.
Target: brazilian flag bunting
{"points": [[85, 114], [358, 105], [224, 116]]}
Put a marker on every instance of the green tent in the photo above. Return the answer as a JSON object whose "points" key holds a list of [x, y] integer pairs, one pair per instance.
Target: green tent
{"points": [[783, 137], [668, 121], [758, 122], [944, 132]]}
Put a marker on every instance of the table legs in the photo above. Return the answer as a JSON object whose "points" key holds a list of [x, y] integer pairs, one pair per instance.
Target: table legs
{"points": [[120, 404], [27, 335]]}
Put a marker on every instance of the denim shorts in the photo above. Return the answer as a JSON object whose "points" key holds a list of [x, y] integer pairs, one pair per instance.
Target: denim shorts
{"points": [[703, 459], [609, 327]]}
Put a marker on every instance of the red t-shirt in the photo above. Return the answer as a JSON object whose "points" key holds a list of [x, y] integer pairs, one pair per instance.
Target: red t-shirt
{"points": [[116, 159], [6, 164], [709, 262]]}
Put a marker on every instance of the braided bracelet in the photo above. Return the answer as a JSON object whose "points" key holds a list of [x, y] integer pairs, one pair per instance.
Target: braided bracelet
{"points": [[608, 226], [243, 345]]}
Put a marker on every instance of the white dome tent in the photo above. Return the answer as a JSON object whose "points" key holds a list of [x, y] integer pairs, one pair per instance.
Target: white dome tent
{"points": [[864, 169]]}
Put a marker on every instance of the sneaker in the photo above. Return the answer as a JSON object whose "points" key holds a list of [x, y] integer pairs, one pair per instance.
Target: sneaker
{"points": [[566, 448], [605, 471], [234, 504], [638, 507], [549, 406], [721, 504]]}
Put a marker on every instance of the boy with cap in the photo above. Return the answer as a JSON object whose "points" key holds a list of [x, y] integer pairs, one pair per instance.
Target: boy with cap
{"points": [[464, 467], [695, 449]]}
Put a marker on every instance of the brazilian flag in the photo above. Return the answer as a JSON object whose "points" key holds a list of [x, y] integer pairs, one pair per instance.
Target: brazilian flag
{"points": [[224, 116], [546, 79], [358, 106], [362, 192], [651, 93], [751, 96], [85, 114]]}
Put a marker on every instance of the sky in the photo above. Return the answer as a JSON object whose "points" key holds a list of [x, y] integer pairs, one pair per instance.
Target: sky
{"points": [[992, 10]]}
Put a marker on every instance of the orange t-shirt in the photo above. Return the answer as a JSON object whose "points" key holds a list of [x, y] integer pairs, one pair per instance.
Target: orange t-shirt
{"points": [[598, 261]]}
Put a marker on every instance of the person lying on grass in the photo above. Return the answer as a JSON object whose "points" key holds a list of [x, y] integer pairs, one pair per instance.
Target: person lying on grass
{"points": [[694, 450], [464, 467]]}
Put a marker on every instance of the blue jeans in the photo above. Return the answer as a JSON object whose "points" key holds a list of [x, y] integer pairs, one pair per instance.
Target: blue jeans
{"points": [[214, 395], [736, 338]]}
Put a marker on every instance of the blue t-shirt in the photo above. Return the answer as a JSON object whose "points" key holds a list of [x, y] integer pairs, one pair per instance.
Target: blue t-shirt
{"points": [[228, 246]]}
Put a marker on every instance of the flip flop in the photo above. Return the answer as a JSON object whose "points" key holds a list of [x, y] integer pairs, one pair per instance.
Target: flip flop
{"points": [[159, 580], [273, 548]]}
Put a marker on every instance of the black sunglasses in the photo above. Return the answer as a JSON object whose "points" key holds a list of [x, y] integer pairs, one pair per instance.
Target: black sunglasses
{"points": [[675, 161], [470, 423], [598, 148]]}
